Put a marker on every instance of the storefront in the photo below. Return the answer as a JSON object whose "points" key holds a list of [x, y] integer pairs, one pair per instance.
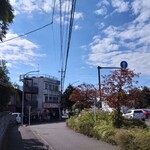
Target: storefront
{"points": [[51, 111]]}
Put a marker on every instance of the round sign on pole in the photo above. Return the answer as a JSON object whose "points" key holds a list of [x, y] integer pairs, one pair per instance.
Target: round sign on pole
{"points": [[123, 64]]}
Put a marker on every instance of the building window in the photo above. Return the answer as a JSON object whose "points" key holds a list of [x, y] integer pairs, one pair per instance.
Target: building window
{"points": [[57, 89], [50, 87], [46, 98], [50, 98], [46, 86], [53, 87]]}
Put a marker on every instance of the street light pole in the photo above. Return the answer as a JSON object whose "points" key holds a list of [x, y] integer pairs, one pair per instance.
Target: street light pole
{"points": [[24, 94], [99, 80]]}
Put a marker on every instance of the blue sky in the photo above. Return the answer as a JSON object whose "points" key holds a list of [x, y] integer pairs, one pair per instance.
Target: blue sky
{"points": [[105, 32]]}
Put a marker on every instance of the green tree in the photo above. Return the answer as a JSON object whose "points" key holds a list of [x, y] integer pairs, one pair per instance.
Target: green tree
{"points": [[66, 102], [119, 89], [6, 17], [6, 87]]}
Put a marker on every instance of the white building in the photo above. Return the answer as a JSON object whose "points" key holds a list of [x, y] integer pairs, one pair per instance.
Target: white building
{"points": [[42, 93]]}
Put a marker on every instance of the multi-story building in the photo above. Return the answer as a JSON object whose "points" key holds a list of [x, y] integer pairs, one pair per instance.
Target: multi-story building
{"points": [[42, 96]]}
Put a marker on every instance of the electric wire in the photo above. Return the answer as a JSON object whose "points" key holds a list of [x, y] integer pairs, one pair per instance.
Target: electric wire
{"points": [[67, 27], [21, 35], [61, 35], [61, 45], [69, 35], [53, 12]]}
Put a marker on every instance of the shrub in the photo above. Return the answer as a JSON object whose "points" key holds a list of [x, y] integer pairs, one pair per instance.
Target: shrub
{"points": [[133, 139], [132, 123], [103, 118], [117, 119], [72, 123], [105, 133], [86, 123], [142, 139], [124, 138], [133, 136]]}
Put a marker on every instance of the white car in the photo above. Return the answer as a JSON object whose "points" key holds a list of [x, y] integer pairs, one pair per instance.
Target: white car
{"points": [[17, 116], [134, 114]]}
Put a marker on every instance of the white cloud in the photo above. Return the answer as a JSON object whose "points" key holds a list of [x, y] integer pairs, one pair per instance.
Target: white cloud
{"points": [[101, 11], [48, 6], [29, 6], [141, 8], [120, 5], [78, 15], [19, 51], [102, 7], [129, 41], [103, 2], [77, 27], [104, 45], [101, 25]]}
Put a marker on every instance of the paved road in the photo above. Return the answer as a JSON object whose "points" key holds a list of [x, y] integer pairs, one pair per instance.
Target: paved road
{"points": [[58, 137]]}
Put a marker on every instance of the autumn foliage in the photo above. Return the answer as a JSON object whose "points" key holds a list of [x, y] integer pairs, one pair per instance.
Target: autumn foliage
{"points": [[84, 96], [119, 89]]}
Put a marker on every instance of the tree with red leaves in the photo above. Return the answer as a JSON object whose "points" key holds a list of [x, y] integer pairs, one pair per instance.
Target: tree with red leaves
{"points": [[84, 96], [119, 89]]}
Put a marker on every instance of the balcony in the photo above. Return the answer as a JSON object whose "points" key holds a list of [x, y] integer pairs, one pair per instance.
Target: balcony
{"points": [[31, 90]]}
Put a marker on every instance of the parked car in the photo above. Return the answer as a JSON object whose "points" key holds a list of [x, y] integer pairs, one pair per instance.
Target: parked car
{"points": [[65, 116], [146, 112], [135, 114], [17, 116]]}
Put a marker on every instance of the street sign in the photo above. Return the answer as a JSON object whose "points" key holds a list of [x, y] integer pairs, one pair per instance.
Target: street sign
{"points": [[123, 64]]}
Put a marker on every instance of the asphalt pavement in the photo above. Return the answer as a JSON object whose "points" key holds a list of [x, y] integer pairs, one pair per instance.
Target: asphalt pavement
{"points": [[50, 136], [57, 136], [22, 138]]}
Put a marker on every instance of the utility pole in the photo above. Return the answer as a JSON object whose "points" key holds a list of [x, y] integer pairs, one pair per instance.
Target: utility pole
{"points": [[61, 90]]}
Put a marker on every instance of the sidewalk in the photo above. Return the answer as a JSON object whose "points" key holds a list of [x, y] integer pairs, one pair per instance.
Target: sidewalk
{"points": [[22, 138]]}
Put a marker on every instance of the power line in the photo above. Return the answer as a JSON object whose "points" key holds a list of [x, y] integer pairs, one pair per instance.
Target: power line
{"points": [[53, 12], [69, 34], [28, 32], [65, 35]]}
